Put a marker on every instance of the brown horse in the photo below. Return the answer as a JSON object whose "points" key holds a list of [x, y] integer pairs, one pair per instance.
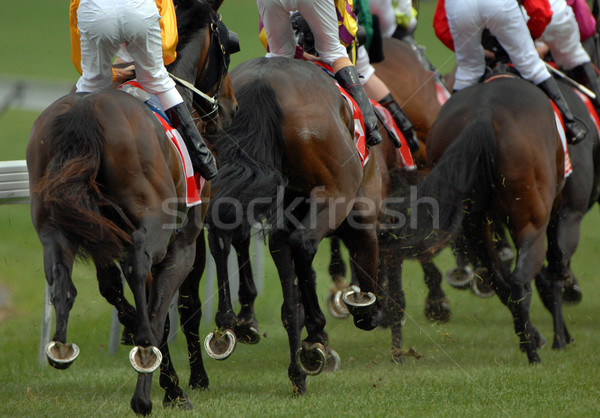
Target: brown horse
{"points": [[107, 184], [502, 159], [289, 158], [415, 90]]}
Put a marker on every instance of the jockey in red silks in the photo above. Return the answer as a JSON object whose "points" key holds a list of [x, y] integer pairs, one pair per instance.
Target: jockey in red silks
{"points": [[562, 36], [459, 24]]}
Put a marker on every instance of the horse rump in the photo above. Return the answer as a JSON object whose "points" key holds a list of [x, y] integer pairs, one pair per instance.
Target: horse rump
{"points": [[68, 188]]}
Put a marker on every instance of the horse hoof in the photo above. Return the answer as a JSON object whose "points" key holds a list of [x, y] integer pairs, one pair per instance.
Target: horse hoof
{"points": [[181, 401], [333, 361], [460, 277], [506, 255], [61, 356], [438, 310], [145, 360], [572, 295], [141, 406], [247, 334], [337, 307], [220, 344], [311, 358], [479, 288], [363, 308]]}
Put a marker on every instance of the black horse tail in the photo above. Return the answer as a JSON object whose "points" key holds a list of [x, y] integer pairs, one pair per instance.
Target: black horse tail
{"points": [[69, 187], [250, 154], [424, 222]]}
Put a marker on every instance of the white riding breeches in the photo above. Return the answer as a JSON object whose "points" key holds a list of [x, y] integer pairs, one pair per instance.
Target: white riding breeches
{"points": [[320, 15], [562, 37], [468, 18], [363, 65], [106, 25]]}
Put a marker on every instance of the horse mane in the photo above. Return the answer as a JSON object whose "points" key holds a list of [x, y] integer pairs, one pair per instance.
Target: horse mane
{"points": [[192, 17]]}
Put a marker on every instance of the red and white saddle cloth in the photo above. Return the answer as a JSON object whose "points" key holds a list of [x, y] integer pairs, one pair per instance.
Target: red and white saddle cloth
{"points": [[441, 92], [359, 126], [194, 181], [560, 125]]}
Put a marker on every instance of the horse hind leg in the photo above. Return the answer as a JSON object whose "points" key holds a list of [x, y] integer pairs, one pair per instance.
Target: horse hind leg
{"points": [[169, 380], [220, 343], [246, 328], [110, 283], [292, 310], [58, 265], [337, 271], [437, 305], [190, 312], [518, 298], [550, 291]]}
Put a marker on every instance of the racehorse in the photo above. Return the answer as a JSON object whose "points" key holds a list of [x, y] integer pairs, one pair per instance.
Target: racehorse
{"points": [[493, 158], [416, 91], [290, 158], [107, 185], [556, 282]]}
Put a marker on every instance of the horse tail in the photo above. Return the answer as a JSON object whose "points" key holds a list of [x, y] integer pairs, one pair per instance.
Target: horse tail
{"points": [[70, 189], [434, 215], [250, 154]]}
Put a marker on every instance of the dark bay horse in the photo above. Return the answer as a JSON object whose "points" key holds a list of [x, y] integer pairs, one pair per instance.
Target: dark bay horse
{"points": [[557, 282], [415, 90], [493, 157], [107, 185], [289, 160]]}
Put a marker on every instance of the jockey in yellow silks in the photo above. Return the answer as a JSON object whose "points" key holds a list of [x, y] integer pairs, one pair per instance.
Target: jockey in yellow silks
{"points": [[168, 32]]}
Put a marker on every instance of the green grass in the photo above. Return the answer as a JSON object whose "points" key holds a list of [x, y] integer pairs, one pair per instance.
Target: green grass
{"points": [[472, 366]]}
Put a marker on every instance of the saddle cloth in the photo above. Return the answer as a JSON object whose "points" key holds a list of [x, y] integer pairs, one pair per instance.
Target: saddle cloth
{"points": [[194, 182], [359, 126]]}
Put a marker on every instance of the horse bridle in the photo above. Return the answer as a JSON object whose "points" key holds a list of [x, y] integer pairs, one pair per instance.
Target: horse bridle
{"points": [[223, 43]]}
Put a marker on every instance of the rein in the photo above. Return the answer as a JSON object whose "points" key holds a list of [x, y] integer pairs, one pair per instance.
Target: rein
{"points": [[223, 43]]}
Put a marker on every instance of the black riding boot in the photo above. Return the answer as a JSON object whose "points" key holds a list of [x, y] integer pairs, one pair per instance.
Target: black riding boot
{"points": [[575, 131], [202, 159], [348, 79], [402, 120], [586, 75]]}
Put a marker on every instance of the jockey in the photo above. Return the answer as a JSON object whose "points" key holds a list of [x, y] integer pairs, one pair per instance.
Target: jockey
{"points": [[562, 36], [460, 23], [379, 91], [397, 18], [147, 30], [585, 18], [321, 16]]}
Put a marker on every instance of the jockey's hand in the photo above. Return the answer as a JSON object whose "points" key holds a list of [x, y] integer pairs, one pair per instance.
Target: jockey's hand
{"points": [[542, 49], [124, 74], [309, 57]]}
